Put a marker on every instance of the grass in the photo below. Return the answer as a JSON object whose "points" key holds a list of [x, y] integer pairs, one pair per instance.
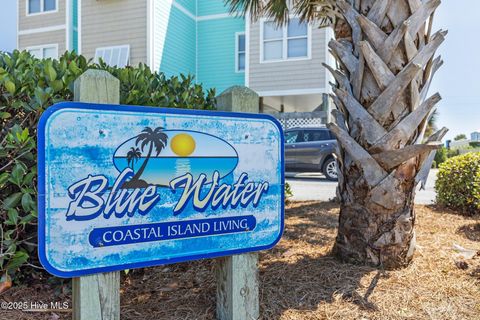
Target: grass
{"points": [[301, 280]]}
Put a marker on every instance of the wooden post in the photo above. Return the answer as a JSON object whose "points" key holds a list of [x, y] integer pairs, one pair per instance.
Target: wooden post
{"points": [[237, 276], [97, 296]]}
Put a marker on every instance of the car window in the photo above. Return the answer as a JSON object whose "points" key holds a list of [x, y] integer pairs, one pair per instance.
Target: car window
{"points": [[291, 136], [316, 135]]}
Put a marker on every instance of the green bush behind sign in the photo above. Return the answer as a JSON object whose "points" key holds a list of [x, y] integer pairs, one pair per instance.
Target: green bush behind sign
{"points": [[27, 87]]}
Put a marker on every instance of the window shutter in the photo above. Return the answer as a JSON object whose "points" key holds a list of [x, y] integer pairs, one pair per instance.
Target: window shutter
{"points": [[114, 56]]}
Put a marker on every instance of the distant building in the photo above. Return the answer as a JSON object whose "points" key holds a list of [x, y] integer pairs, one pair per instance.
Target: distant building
{"points": [[475, 136], [460, 144]]}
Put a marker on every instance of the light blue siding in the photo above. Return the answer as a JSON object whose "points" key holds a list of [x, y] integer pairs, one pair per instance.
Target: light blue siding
{"points": [[190, 5], [216, 53], [209, 7], [183, 44], [74, 26], [203, 48], [175, 40]]}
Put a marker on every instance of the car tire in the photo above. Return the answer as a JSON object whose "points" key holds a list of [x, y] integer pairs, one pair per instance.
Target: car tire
{"points": [[330, 169]]}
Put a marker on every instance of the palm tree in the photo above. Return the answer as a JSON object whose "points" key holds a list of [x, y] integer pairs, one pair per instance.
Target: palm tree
{"points": [[385, 51], [132, 156], [154, 139]]}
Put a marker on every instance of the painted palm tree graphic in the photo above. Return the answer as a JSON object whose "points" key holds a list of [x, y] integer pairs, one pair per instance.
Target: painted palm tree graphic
{"points": [[153, 139], [132, 157]]}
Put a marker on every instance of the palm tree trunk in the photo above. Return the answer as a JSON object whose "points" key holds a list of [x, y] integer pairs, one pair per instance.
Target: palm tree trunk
{"points": [[385, 50], [370, 233], [138, 174]]}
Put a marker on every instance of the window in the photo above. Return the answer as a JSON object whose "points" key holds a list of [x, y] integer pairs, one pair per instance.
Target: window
{"points": [[317, 135], [41, 6], [272, 41], [44, 51], [285, 42], [297, 39], [240, 52], [114, 56], [292, 136]]}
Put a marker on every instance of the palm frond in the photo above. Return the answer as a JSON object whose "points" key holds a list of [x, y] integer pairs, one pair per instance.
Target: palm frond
{"points": [[323, 11], [160, 142], [278, 10], [153, 137], [158, 147], [141, 137], [147, 130], [145, 142], [241, 7]]}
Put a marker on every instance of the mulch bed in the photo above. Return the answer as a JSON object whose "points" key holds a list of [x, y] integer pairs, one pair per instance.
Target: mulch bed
{"points": [[301, 280]]}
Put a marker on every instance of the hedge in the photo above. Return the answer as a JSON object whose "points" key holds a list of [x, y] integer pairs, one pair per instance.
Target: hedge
{"points": [[458, 183], [27, 87]]}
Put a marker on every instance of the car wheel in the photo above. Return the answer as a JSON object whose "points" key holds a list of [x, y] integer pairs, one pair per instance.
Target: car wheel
{"points": [[330, 169]]}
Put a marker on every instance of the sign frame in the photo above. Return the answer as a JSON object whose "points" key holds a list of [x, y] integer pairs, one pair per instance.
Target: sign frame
{"points": [[129, 108]]}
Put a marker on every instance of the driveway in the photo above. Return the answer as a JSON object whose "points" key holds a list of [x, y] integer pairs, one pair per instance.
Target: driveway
{"points": [[314, 186]]}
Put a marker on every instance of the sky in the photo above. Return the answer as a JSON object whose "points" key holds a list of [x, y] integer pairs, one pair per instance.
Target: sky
{"points": [[457, 81], [8, 25]]}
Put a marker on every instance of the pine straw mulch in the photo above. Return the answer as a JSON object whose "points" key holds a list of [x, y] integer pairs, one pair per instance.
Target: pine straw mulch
{"points": [[301, 280]]}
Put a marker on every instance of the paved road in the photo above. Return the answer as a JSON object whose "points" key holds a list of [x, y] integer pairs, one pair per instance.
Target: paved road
{"points": [[313, 186]]}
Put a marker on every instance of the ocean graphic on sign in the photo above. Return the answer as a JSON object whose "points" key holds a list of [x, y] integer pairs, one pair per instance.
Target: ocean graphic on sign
{"points": [[180, 152], [123, 187]]}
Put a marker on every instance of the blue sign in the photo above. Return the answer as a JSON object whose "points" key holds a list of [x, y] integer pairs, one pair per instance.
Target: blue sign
{"points": [[124, 187]]}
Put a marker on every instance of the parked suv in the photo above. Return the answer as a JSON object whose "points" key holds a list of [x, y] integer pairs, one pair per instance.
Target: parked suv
{"points": [[311, 150]]}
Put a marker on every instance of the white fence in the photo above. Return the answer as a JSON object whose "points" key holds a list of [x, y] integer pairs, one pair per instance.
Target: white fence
{"points": [[302, 119]]}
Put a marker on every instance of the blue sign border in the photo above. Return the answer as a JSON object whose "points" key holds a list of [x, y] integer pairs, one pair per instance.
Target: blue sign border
{"points": [[92, 106]]}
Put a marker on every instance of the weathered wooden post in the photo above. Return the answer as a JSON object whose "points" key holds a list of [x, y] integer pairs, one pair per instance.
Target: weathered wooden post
{"points": [[237, 275], [97, 296]]}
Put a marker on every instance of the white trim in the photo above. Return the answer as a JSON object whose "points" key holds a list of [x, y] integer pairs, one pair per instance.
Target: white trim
{"points": [[18, 24], [247, 49], [42, 3], [329, 59], [284, 40], [150, 34], [40, 30], [68, 22], [293, 92], [237, 52], [215, 16], [183, 9], [201, 18], [79, 26], [42, 47], [196, 42]]}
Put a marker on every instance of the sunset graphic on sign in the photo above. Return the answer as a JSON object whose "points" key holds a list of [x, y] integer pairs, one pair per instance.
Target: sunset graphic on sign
{"points": [[183, 152], [182, 144]]}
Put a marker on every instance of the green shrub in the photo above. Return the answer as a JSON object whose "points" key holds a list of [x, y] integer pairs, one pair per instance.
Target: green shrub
{"points": [[440, 156], [288, 192], [140, 86], [27, 87], [453, 153], [458, 183]]}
